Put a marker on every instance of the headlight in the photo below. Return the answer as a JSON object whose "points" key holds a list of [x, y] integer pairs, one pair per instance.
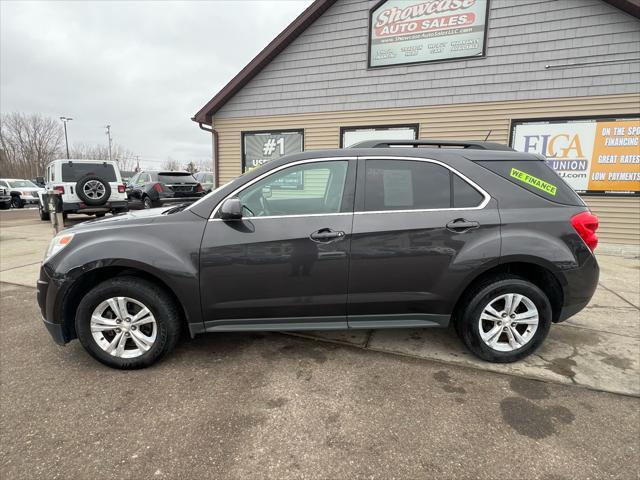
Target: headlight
{"points": [[58, 243]]}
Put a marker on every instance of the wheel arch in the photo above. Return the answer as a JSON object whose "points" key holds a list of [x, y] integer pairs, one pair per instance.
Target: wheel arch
{"points": [[90, 276], [541, 274]]}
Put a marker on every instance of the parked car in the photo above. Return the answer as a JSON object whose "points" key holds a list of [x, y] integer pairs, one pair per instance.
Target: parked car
{"points": [[39, 181], [149, 189], [23, 192], [92, 187], [206, 180], [5, 198], [377, 236]]}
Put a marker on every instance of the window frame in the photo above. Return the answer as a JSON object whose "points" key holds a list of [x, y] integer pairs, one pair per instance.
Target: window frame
{"points": [[348, 193], [361, 179], [413, 126]]}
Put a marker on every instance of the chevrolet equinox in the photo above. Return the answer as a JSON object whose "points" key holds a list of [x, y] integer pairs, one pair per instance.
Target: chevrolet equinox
{"points": [[381, 235]]}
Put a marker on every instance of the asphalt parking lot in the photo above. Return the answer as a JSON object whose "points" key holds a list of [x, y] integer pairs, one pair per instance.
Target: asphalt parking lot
{"points": [[394, 404]]}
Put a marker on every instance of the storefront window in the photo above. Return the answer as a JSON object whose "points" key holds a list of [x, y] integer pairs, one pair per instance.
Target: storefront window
{"points": [[352, 135], [262, 147]]}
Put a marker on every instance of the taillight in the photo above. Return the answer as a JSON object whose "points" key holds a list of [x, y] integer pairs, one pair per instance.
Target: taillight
{"points": [[586, 224], [157, 187], [120, 188], [59, 189], [199, 188]]}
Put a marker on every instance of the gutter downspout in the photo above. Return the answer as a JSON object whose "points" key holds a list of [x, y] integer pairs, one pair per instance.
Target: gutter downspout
{"points": [[214, 132]]}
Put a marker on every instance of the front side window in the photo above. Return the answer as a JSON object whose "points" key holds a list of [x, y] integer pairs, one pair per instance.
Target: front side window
{"points": [[307, 189]]}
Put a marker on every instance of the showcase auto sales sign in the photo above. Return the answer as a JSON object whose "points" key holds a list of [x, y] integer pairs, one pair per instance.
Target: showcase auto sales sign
{"points": [[410, 31]]}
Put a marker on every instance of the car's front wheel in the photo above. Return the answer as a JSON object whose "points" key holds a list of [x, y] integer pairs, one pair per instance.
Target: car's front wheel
{"points": [[504, 319], [127, 323], [44, 216], [17, 202]]}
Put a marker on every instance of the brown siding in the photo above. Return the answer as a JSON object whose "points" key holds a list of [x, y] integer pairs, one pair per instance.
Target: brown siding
{"points": [[620, 222]]}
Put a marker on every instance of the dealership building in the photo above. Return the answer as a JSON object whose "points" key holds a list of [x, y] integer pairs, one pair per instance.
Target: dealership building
{"points": [[557, 77]]}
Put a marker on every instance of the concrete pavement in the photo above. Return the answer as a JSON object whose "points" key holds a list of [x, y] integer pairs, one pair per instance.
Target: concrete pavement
{"points": [[598, 348], [270, 406]]}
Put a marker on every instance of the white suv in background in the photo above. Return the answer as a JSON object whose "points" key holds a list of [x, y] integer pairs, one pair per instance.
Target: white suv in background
{"points": [[23, 192], [93, 187]]}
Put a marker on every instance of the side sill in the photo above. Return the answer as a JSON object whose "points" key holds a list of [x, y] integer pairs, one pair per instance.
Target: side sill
{"points": [[276, 324], [405, 320]]}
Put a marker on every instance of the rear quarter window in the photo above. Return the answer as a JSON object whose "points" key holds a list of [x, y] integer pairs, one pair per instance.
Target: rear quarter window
{"points": [[72, 172], [536, 177]]}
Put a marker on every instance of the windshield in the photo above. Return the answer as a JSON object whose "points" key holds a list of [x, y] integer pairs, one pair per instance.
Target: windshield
{"points": [[207, 196], [22, 184]]}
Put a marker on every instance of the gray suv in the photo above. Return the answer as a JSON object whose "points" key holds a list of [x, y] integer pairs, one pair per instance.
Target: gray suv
{"points": [[424, 234]]}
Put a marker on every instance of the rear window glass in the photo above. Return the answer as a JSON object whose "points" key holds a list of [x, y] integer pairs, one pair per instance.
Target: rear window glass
{"points": [[537, 177], [72, 172], [176, 178]]}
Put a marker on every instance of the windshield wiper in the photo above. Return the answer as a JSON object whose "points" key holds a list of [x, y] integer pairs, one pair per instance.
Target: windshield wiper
{"points": [[176, 209]]}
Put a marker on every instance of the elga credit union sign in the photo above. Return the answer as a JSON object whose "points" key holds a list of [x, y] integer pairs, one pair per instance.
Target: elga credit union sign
{"points": [[413, 31], [592, 156]]}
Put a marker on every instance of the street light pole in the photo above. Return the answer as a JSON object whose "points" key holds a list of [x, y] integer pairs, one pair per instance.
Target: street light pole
{"points": [[66, 140], [108, 127]]}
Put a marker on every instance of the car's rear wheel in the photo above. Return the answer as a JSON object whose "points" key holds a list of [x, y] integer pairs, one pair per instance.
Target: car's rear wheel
{"points": [[146, 202], [100, 215], [504, 319], [127, 323]]}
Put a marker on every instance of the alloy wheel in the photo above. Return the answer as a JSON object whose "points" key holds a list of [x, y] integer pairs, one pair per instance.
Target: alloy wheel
{"points": [[123, 327], [94, 189], [508, 322]]}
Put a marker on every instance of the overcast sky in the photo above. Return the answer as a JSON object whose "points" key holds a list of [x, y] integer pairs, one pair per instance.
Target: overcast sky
{"points": [[145, 67]]}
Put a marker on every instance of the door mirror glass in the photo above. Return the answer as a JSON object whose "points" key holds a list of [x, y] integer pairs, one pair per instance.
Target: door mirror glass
{"points": [[231, 209]]}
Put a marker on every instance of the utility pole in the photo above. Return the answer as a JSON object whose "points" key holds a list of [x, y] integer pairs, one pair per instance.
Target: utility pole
{"points": [[66, 140], [108, 127]]}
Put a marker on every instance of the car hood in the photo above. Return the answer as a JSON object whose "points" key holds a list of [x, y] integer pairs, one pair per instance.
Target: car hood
{"points": [[138, 217]]}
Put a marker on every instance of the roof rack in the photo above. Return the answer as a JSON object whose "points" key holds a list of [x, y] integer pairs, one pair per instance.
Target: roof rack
{"points": [[471, 144]]}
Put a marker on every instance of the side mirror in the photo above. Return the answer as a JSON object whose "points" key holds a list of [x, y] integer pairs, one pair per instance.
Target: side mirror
{"points": [[231, 209]]}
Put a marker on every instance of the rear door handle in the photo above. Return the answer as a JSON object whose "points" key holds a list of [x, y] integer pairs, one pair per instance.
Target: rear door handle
{"points": [[325, 235], [461, 225]]}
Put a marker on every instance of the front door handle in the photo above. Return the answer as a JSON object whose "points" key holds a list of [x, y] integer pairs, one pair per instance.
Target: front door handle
{"points": [[461, 225], [325, 235]]}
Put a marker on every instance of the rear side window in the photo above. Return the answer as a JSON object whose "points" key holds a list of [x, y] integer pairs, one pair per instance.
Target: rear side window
{"points": [[72, 172], [415, 185], [537, 177]]}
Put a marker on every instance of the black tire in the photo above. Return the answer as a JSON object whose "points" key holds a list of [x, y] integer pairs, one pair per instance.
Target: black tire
{"points": [[473, 303], [117, 211], [44, 216], [156, 299], [17, 202], [99, 215], [93, 201], [5, 205], [146, 202]]}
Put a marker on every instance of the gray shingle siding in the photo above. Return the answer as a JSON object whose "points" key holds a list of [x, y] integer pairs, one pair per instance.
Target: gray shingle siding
{"points": [[325, 68]]}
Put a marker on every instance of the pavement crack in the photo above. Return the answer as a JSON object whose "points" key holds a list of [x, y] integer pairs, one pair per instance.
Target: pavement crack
{"points": [[619, 296], [20, 266]]}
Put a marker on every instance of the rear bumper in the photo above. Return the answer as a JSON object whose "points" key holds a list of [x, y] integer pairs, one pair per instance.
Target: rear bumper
{"points": [[581, 284], [82, 208]]}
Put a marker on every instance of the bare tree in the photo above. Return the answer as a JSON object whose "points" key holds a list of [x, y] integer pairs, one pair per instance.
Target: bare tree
{"points": [[171, 164], [191, 167], [28, 143], [125, 158]]}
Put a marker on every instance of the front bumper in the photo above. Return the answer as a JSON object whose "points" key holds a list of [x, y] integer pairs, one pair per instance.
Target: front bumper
{"points": [[49, 295]]}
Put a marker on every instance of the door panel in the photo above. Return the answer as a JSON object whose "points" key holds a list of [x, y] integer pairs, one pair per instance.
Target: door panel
{"points": [[270, 268], [411, 264], [286, 261]]}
